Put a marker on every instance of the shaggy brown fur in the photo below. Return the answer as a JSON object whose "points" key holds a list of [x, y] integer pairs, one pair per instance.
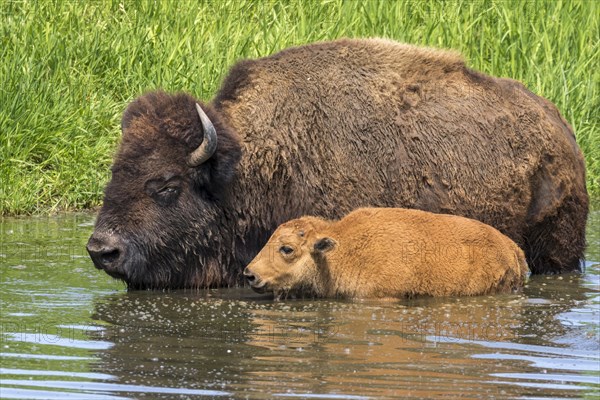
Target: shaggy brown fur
{"points": [[327, 128], [388, 252]]}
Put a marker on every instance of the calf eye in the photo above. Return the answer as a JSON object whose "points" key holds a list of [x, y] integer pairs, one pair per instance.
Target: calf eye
{"points": [[286, 250]]}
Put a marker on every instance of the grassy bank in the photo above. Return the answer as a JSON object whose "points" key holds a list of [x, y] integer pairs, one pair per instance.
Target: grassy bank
{"points": [[68, 69]]}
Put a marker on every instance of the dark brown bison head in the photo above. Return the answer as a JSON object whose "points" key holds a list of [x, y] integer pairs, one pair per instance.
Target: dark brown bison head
{"points": [[162, 221]]}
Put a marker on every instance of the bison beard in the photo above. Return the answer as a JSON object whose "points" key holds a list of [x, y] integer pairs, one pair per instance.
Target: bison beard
{"points": [[324, 129]]}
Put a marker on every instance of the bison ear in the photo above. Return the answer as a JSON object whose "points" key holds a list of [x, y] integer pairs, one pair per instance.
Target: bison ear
{"points": [[323, 245]]}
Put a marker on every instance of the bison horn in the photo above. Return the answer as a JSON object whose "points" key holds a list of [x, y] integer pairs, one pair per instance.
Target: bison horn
{"points": [[209, 143]]}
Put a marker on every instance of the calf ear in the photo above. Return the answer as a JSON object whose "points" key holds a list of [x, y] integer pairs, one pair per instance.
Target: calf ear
{"points": [[323, 245]]}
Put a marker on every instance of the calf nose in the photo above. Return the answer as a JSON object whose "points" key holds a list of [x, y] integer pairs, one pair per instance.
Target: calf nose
{"points": [[249, 275], [106, 251]]}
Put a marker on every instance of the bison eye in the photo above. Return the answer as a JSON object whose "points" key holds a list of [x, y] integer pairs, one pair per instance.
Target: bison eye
{"points": [[166, 195], [286, 250], [168, 191], [164, 191]]}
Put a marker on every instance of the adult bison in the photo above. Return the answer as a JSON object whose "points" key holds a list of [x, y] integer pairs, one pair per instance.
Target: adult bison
{"points": [[323, 129]]}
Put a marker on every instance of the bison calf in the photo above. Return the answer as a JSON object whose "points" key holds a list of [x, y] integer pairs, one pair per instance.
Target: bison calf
{"points": [[387, 252]]}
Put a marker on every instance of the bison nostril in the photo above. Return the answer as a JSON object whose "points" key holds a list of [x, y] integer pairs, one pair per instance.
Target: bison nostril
{"points": [[104, 257], [106, 252], [110, 256]]}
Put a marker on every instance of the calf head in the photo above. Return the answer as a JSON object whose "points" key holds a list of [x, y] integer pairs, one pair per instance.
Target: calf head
{"points": [[292, 261]]}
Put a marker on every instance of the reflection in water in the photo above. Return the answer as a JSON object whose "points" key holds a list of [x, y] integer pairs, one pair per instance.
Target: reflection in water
{"points": [[70, 331]]}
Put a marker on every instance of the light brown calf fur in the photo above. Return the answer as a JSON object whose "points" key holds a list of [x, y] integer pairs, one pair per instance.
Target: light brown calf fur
{"points": [[387, 252]]}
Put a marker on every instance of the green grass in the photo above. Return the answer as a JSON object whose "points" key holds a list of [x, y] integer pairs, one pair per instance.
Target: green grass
{"points": [[68, 68]]}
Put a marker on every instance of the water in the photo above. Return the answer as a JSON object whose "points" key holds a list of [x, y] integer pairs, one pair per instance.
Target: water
{"points": [[70, 331]]}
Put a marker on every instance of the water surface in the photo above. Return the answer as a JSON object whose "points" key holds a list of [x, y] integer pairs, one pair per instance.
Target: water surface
{"points": [[70, 331]]}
